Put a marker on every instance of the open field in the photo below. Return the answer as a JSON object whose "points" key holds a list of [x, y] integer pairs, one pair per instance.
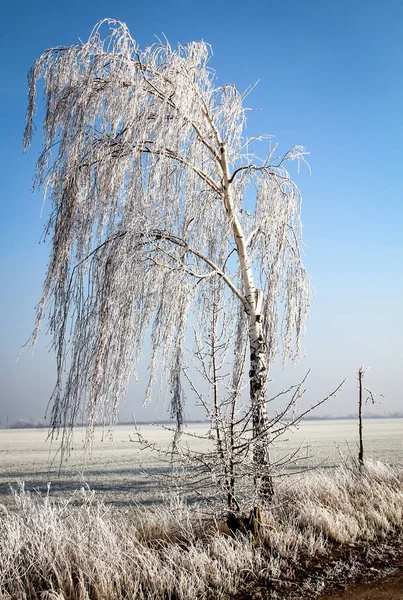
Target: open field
{"points": [[328, 528], [325, 527], [119, 472]]}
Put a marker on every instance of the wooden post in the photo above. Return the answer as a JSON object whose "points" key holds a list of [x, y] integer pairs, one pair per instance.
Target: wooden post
{"points": [[361, 451]]}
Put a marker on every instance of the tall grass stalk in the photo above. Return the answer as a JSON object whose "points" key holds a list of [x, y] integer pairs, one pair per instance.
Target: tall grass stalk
{"points": [[54, 549]]}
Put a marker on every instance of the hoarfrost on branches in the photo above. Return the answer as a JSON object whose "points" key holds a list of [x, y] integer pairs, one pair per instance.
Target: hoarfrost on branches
{"points": [[147, 169]]}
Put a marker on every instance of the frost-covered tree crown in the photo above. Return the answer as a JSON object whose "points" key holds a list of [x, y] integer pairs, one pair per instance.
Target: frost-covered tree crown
{"points": [[146, 166]]}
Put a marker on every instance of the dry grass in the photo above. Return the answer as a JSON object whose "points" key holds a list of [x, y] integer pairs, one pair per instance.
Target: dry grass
{"points": [[61, 550]]}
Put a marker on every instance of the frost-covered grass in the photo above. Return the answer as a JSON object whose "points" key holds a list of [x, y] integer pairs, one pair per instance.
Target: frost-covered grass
{"points": [[60, 550]]}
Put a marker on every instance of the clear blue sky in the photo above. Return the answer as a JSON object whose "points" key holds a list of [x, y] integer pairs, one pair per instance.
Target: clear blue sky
{"points": [[331, 78]]}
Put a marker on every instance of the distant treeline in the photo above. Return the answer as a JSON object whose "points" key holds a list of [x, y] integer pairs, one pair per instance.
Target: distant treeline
{"points": [[26, 424], [37, 424], [395, 415]]}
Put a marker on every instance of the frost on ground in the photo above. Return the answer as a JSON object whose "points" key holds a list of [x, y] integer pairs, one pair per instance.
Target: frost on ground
{"points": [[58, 549], [121, 474]]}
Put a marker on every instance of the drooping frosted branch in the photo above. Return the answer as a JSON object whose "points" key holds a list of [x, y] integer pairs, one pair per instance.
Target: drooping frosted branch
{"points": [[140, 222]]}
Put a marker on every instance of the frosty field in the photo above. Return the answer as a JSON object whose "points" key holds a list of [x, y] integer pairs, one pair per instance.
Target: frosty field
{"points": [[120, 473]]}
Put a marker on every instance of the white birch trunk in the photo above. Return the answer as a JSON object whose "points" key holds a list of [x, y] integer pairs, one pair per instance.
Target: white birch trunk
{"points": [[258, 359], [258, 387]]}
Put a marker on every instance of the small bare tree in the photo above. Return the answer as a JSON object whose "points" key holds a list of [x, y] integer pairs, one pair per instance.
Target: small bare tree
{"points": [[222, 462], [370, 397], [148, 174], [361, 374]]}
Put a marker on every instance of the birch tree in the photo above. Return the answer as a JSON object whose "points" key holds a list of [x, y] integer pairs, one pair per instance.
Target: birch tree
{"points": [[155, 191]]}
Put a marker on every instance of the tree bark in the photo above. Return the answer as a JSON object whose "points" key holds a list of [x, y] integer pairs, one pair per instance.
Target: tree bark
{"points": [[258, 388], [258, 357]]}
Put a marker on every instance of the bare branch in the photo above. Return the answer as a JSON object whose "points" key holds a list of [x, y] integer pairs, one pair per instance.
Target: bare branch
{"points": [[145, 167]]}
